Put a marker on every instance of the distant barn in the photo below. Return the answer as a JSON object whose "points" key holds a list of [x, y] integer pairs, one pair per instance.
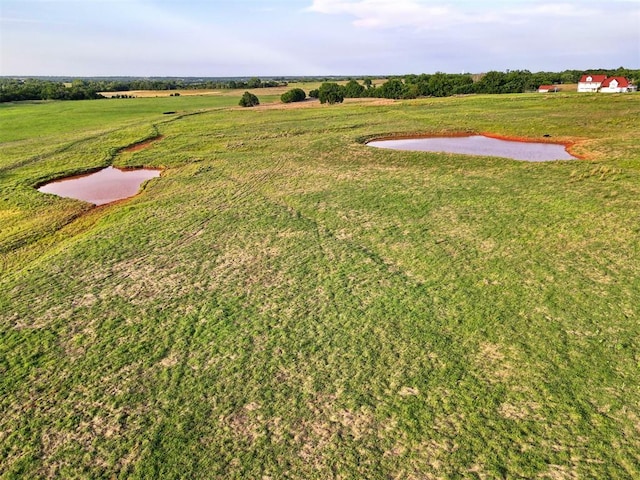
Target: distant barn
{"points": [[548, 88]]}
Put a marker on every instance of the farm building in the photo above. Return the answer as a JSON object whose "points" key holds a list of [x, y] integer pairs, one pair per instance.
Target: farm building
{"points": [[591, 83], [602, 83], [617, 85], [547, 88]]}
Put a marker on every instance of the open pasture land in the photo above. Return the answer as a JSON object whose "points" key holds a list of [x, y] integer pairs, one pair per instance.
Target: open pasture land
{"points": [[286, 302], [266, 93], [164, 93]]}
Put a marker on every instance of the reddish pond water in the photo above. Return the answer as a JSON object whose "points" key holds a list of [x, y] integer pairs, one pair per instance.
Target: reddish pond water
{"points": [[104, 186], [480, 145]]}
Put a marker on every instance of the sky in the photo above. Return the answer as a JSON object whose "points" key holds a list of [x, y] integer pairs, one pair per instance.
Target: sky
{"points": [[210, 38]]}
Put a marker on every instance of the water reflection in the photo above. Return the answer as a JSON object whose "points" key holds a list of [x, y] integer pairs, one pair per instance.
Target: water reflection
{"points": [[480, 145], [104, 186]]}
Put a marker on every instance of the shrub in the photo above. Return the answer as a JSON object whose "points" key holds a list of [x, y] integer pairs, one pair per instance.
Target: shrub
{"points": [[314, 93], [353, 90], [330, 93], [254, 83], [249, 100], [393, 88], [294, 95]]}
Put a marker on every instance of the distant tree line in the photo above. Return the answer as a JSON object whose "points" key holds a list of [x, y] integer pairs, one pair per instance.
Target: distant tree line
{"points": [[445, 84], [185, 84], [407, 86], [12, 90]]}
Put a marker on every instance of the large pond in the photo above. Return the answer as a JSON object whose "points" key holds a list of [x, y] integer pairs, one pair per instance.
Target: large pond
{"points": [[104, 186], [480, 145]]}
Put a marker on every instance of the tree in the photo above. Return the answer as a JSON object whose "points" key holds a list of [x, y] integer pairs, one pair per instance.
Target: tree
{"points": [[491, 82], [315, 93], [330, 93], [254, 82], [249, 100], [293, 95], [393, 88], [353, 89], [440, 85]]}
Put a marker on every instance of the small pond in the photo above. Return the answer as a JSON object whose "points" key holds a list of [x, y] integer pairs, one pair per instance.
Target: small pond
{"points": [[104, 186], [480, 145]]}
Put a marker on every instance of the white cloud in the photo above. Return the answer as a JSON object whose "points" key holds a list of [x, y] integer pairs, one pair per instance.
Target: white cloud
{"points": [[556, 10], [428, 14], [254, 37], [390, 13], [451, 35]]}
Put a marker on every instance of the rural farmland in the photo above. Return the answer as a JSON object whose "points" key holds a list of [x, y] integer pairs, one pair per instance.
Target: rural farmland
{"points": [[285, 301]]}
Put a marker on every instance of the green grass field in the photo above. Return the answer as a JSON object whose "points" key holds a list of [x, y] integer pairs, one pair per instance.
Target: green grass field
{"points": [[286, 302]]}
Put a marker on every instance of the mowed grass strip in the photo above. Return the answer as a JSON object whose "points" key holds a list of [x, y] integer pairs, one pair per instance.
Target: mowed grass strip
{"points": [[288, 302]]}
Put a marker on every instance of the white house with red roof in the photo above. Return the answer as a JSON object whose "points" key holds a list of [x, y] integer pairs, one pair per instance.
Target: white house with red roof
{"points": [[591, 83], [602, 83], [617, 85]]}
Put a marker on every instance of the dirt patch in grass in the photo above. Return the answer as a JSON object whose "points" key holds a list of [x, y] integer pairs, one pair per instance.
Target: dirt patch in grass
{"points": [[408, 392], [169, 361], [520, 411], [142, 145], [244, 423], [560, 472], [493, 362], [88, 434]]}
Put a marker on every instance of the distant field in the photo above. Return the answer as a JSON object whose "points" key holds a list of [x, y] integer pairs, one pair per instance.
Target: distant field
{"points": [[287, 302], [260, 92], [162, 93], [568, 87]]}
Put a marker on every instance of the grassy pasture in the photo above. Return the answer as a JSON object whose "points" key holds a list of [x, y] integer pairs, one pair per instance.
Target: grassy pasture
{"points": [[266, 93], [286, 302]]}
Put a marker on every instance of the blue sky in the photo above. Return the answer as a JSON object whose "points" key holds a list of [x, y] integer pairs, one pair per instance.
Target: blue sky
{"points": [[313, 37]]}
